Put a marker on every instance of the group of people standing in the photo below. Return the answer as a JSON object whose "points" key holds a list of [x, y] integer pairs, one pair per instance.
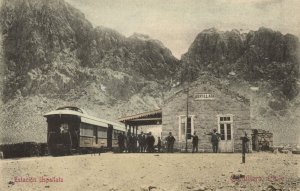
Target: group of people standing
{"points": [[145, 142], [128, 143], [132, 143]]}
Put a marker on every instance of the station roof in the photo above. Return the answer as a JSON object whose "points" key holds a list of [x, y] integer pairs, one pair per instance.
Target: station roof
{"points": [[146, 118]]}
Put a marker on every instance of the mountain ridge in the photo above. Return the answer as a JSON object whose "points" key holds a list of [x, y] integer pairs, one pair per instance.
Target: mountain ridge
{"points": [[53, 56], [263, 54], [52, 32]]}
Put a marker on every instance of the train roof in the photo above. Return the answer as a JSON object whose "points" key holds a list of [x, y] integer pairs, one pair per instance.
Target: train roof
{"points": [[85, 117]]}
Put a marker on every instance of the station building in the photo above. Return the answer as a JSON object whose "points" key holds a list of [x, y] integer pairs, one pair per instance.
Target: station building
{"points": [[209, 105]]}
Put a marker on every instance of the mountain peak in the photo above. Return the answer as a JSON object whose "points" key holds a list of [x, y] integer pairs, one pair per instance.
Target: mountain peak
{"points": [[210, 30], [262, 54], [140, 36], [52, 36], [265, 29]]}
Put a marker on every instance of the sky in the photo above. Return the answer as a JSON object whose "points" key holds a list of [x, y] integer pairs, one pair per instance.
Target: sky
{"points": [[176, 23]]}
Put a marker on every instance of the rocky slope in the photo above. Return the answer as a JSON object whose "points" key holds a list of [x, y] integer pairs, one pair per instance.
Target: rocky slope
{"points": [[53, 56], [50, 55], [51, 38], [262, 65], [257, 55]]}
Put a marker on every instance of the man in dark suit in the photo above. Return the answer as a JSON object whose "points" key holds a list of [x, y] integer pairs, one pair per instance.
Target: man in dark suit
{"points": [[142, 142], [215, 141], [170, 142], [151, 141], [195, 142]]}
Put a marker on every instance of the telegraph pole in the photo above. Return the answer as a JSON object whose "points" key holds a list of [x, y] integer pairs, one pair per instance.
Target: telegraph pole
{"points": [[187, 107], [187, 117]]}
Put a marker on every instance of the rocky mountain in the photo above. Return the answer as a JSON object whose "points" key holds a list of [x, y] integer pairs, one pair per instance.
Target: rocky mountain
{"points": [[53, 56], [47, 37], [257, 55], [50, 56], [262, 65]]}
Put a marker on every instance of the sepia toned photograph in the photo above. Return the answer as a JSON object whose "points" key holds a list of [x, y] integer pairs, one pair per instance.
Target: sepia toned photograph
{"points": [[149, 95]]}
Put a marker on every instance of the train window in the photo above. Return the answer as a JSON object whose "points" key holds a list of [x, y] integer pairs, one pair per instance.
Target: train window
{"points": [[102, 132], [64, 128], [118, 132], [114, 134], [86, 130]]}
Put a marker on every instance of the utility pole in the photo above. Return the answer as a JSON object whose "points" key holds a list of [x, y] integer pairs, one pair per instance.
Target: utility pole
{"points": [[187, 119], [187, 107]]}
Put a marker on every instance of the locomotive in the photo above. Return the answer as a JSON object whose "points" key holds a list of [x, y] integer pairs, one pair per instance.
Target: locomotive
{"points": [[71, 130]]}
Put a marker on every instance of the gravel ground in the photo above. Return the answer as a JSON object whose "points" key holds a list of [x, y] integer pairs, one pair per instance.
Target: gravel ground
{"points": [[196, 172]]}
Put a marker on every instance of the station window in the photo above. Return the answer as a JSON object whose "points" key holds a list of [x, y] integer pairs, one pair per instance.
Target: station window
{"points": [[225, 119], [228, 131], [225, 127], [186, 127], [222, 131]]}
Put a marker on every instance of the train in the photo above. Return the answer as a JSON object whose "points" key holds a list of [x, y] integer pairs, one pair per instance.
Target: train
{"points": [[72, 130]]}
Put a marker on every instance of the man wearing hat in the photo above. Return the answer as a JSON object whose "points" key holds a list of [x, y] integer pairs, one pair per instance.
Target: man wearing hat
{"points": [[170, 142], [215, 140]]}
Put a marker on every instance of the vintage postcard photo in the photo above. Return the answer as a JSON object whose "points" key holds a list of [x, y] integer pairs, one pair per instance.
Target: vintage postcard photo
{"points": [[150, 95]]}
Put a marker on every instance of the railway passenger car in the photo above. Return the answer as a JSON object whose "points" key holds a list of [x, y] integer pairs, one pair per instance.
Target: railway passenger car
{"points": [[71, 130]]}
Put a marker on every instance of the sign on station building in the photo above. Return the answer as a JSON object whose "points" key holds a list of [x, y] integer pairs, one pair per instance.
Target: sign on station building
{"points": [[211, 105]]}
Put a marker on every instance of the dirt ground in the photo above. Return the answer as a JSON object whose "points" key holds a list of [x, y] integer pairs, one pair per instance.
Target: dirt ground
{"points": [[128, 172]]}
